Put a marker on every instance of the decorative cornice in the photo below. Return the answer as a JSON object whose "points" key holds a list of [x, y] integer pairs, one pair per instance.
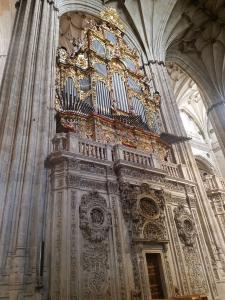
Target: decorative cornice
{"points": [[153, 62]]}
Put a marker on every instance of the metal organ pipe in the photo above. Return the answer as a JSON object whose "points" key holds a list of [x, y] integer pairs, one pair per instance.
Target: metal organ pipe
{"points": [[103, 99], [139, 108], [70, 95], [119, 92]]}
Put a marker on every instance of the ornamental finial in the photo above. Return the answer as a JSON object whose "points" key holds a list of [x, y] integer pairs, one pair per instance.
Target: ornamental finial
{"points": [[111, 16]]}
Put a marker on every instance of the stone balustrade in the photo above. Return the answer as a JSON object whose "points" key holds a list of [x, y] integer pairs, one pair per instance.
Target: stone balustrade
{"points": [[72, 143], [171, 169], [213, 182], [135, 156], [91, 149]]}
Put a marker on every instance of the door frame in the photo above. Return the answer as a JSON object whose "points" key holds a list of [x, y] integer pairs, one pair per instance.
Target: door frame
{"points": [[156, 250]]}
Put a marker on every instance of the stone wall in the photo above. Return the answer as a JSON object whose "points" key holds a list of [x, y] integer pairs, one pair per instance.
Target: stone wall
{"points": [[7, 16]]}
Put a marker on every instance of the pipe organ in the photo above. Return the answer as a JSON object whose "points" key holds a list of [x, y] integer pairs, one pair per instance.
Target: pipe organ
{"points": [[101, 82], [103, 98]]}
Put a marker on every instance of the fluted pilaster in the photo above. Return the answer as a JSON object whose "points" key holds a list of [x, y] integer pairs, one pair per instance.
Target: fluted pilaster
{"points": [[27, 120], [183, 153]]}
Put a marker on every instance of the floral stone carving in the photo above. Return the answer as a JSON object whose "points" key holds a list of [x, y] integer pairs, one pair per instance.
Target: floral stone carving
{"points": [[154, 231], [185, 225], [95, 219], [149, 208]]}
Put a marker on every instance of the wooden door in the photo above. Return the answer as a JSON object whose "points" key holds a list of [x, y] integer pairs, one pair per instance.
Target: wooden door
{"points": [[154, 275]]}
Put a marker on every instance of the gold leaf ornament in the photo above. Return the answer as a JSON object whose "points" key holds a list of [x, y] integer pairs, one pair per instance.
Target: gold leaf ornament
{"points": [[111, 16]]}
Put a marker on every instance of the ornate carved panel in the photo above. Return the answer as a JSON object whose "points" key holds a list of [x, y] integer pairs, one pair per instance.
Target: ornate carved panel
{"points": [[95, 221], [185, 225], [95, 218], [154, 231]]}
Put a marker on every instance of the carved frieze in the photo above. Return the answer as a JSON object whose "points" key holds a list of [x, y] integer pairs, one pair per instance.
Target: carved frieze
{"points": [[140, 174], [87, 167], [175, 186], [77, 181]]}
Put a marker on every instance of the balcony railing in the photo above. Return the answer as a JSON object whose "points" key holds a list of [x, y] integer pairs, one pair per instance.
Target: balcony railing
{"points": [[118, 153], [91, 149], [213, 182], [171, 169]]}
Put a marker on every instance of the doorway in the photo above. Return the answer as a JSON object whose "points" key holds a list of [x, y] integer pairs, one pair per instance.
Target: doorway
{"points": [[155, 275]]}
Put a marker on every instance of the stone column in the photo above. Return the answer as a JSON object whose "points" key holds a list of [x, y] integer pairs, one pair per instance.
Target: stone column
{"points": [[27, 126], [216, 114], [183, 153]]}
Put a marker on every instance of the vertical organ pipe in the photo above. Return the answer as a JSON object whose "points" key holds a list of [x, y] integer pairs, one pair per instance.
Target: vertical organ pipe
{"points": [[102, 97], [139, 108], [119, 92], [70, 94]]}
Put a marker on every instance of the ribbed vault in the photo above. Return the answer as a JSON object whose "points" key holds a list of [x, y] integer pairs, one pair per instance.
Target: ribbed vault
{"points": [[197, 43]]}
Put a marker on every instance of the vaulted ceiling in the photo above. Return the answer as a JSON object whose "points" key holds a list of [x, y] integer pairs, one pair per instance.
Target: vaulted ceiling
{"points": [[199, 45], [188, 97], [188, 32]]}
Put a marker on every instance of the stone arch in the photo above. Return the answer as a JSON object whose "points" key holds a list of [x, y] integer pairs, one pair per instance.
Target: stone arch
{"points": [[198, 75], [203, 163], [195, 121], [210, 94], [94, 7]]}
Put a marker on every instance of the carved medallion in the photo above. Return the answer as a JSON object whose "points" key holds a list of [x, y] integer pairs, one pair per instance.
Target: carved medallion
{"points": [[95, 218], [149, 208], [185, 225]]}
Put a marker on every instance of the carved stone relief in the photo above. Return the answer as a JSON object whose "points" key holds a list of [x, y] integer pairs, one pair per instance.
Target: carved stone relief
{"points": [[178, 252], [95, 221], [185, 225], [195, 271], [206, 257], [121, 266], [77, 181], [154, 231], [149, 208], [187, 233], [58, 244], [140, 174], [143, 210], [95, 218], [73, 250]]}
